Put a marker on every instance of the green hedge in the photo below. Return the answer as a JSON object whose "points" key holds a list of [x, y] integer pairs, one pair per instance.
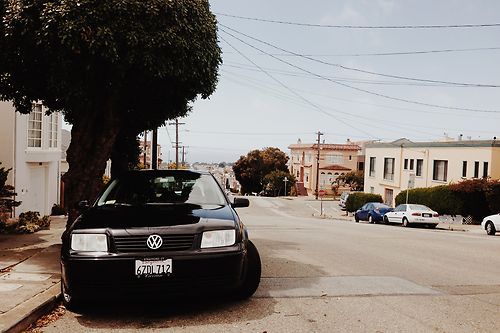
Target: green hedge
{"points": [[477, 198], [358, 199]]}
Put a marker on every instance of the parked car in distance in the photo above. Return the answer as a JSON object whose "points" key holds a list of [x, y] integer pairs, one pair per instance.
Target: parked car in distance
{"points": [[158, 234], [408, 214], [343, 199], [372, 212], [491, 224]]}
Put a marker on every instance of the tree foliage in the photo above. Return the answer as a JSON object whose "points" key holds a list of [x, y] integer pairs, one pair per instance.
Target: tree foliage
{"points": [[6, 192], [274, 183], [109, 66], [354, 179], [251, 169]]}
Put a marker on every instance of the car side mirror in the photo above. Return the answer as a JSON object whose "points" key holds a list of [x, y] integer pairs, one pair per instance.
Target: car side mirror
{"points": [[82, 205], [240, 202]]}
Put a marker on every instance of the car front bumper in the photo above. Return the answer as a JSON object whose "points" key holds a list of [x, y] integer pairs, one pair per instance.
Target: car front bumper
{"points": [[95, 277]]}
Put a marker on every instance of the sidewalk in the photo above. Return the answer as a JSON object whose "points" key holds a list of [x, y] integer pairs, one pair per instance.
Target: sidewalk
{"points": [[29, 275]]}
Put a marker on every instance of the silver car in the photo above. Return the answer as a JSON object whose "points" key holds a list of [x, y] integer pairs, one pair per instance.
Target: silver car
{"points": [[408, 214]]}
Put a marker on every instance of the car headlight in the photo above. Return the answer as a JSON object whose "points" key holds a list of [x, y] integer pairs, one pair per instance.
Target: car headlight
{"points": [[89, 242], [218, 238]]}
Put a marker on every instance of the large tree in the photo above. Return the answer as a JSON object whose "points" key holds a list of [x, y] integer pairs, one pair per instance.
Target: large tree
{"points": [[251, 169], [114, 67]]}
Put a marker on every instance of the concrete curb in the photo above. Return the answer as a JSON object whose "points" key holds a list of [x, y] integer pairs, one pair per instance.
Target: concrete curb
{"points": [[25, 314]]}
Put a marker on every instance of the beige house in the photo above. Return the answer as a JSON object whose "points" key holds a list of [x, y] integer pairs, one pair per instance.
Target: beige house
{"points": [[393, 167], [334, 160], [31, 146]]}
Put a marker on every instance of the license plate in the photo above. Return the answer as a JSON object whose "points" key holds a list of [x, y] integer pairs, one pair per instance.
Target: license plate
{"points": [[152, 268], [426, 215]]}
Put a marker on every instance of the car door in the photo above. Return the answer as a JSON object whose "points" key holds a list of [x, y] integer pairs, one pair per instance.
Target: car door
{"points": [[362, 214], [402, 213], [394, 216]]}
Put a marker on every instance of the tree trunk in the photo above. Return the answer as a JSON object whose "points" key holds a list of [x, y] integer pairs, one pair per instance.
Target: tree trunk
{"points": [[92, 139]]}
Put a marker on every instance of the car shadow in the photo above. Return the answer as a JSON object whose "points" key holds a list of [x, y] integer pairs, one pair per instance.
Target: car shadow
{"points": [[209, 310]]}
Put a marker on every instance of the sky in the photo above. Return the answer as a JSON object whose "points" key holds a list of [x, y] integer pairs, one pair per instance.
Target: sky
{"points": [[269, 97]]}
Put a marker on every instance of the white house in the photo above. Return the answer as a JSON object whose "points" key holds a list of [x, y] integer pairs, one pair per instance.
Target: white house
{"points": [[31, 146], [392, 166]]}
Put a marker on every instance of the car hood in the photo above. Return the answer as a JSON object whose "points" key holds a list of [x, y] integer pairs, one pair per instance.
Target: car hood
{"points": [[118, 217]]}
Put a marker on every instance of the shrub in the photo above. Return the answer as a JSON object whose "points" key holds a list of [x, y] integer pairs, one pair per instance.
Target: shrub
{"points": [[440, 198], [356, 200], [473, 194], [57, 210], [30, 222], [493, 197]]}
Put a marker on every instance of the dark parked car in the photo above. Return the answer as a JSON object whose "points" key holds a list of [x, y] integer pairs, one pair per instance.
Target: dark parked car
{"points": [[159, 233], [372, 212]]}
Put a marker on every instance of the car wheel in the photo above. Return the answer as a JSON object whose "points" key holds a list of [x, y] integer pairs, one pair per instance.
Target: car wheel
{"points": [[370, 219], [405, 222], [68, 300], [356, 218], [490, 228], [251, 280], [386, 220]]}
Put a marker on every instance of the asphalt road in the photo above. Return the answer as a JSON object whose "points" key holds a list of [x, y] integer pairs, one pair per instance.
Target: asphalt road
{"points": [[323, 275]]}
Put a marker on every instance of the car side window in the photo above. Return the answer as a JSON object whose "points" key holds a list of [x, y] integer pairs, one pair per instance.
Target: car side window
{"points": [[403, 208], [364, 207], [369, 207]]}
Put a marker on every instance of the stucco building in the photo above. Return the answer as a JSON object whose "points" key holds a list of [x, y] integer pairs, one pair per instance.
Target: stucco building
{"points": [[334, 160], [31, 146], [394, 166]]}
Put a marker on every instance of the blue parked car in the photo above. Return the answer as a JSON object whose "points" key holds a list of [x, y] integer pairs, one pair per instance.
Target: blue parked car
{"points": [[372, 212]]}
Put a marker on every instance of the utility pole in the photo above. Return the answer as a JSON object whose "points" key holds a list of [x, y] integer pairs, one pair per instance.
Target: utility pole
{"points": [[154, 150], [316, 192], [183, 156], [177, 123]]}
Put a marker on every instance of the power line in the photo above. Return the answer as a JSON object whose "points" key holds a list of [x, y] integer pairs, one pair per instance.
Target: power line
{"points": [[361, 89], [361, 70], [292, 91], [431, 26]]}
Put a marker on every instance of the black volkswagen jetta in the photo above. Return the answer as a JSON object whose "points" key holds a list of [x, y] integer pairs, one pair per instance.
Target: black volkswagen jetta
{"points": [[155, 233]]}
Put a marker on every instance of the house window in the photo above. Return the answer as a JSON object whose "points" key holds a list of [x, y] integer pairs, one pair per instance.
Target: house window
{"points": [[420, 163], [361, 166], [54, 120], [464, 169], [335, 159], [350, 157], [412, 163], [372, 189], [485, 169], [372, 167], [440, 171], [405, 167], [389, 168], [476, 169], [35, 127]]}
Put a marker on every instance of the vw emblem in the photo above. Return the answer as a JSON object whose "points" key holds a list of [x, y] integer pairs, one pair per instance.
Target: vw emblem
{"points": [[154, 242]]}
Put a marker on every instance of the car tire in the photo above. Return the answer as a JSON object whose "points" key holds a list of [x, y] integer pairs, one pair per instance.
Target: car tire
{"points": [[386, 220], [253, 269], [490, 228], [69, 301], [405, 223], [370, 219], [356, 218]]}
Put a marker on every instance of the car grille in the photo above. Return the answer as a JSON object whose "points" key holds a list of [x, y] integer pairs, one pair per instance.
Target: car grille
{"points": [[138, 243]]}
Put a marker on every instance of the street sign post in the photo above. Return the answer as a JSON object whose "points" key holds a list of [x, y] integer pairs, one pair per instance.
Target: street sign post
{"points": [[321, 194], [411, 184]]}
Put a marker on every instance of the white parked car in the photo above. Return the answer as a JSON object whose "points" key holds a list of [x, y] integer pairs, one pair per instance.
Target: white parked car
{"points": [[407, 214], [491, 224]]}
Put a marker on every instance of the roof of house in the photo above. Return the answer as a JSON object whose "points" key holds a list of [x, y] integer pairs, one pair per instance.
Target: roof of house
{"points": [[335, 167], [325, 146], [459, 143]]}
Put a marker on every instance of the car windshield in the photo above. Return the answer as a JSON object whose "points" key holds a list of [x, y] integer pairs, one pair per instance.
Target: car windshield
{"points": [[419, 207], [163, 188], [380, 205]]}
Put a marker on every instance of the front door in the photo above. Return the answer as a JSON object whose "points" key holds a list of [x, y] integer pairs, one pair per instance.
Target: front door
{"points": [[37, 190], [389, 196]]}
